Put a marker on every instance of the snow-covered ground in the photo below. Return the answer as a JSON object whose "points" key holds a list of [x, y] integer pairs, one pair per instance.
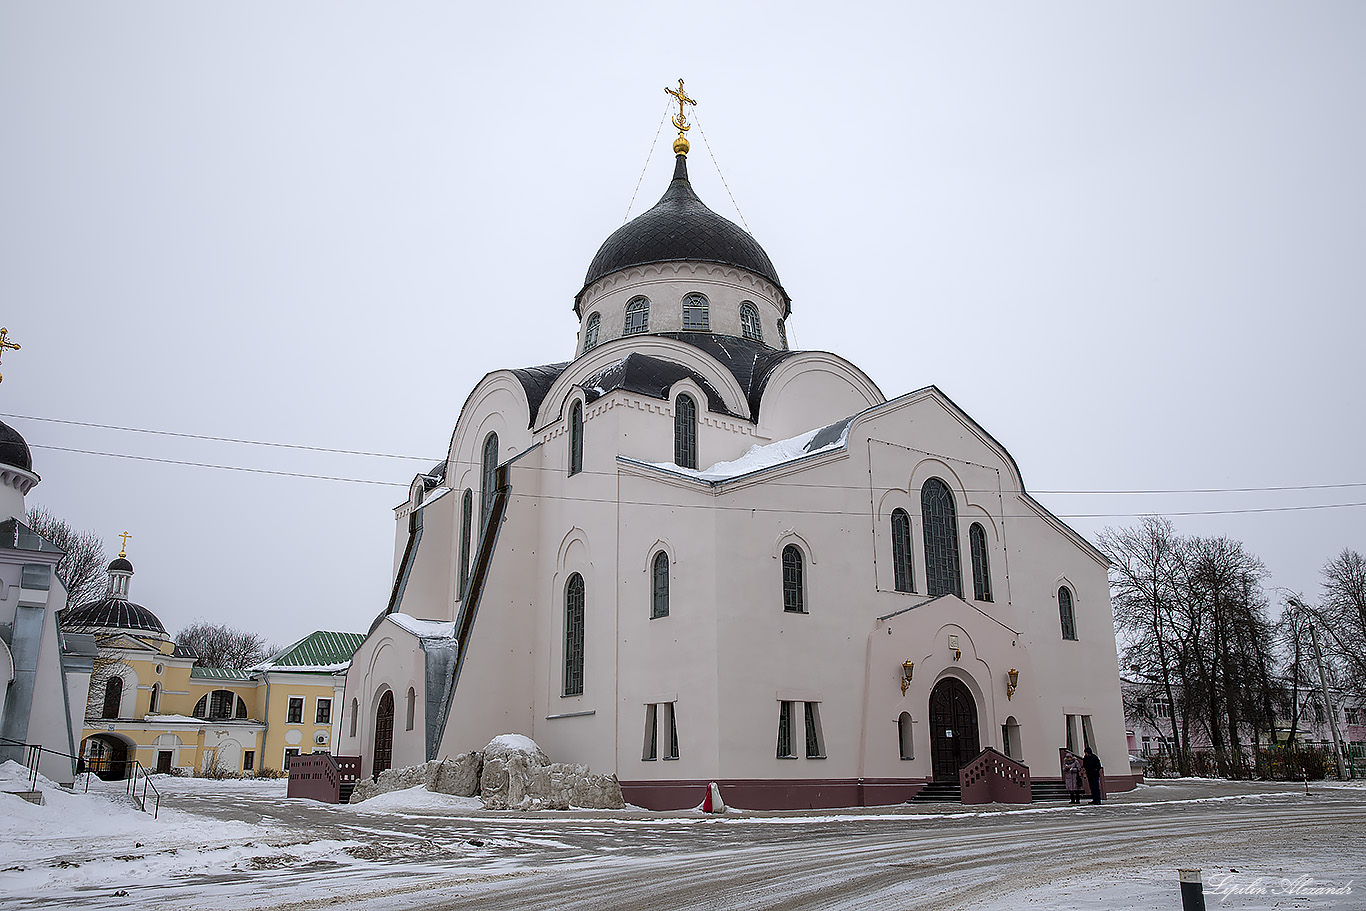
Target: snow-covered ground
{"points": [[243, 844]]}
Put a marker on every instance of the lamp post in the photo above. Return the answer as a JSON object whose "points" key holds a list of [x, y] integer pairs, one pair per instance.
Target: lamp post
{"points": [[1323, 686]]}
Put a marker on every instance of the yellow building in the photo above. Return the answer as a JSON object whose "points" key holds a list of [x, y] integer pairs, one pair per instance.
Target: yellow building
{"points": [[152, 703]]}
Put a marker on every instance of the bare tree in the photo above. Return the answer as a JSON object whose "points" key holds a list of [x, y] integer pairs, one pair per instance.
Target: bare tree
{"points": [[82, 570], [222, 646], [1342, 615]]}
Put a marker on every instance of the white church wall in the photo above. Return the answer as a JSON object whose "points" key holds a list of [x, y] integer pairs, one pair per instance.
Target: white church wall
{"points": [[811, 389], [430, 590]]}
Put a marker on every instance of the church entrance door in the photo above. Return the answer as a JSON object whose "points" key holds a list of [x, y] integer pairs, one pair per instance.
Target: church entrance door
{"points": [[384, 733], [954, 739]]}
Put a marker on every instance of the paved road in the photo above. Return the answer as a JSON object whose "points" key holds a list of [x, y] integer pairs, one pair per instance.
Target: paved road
{"points": [[1119, 855]]}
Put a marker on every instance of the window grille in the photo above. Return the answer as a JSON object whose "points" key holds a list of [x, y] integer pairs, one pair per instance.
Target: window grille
{"points": [[815, 743], [573, 636], [576, 438], [659, 601], [651, 750], [466, 523], [794, 600], [637, 316], [685, 432], [981, 569], [785, 731], [487, 479], [323, 712], [940, 517], [903, 565], [294, 715], [749, 322], [696, 313], [673, 732], [1066, 614], [590, 333]]}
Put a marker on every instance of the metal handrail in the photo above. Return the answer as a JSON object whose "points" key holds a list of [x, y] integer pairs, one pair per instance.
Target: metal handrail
{"points": [[34, 759]]}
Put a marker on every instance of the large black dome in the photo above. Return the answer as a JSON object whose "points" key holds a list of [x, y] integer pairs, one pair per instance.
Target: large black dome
{"points": [[680, 228], [13, 449], [112, 613]]}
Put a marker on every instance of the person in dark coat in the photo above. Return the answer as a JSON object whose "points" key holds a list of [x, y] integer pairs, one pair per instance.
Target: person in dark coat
{"points": [[1071, 777], [1091, 763]]}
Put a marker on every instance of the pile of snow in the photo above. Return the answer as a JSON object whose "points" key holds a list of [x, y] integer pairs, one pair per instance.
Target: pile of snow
{"points": [[760, 457], [424, 629]]}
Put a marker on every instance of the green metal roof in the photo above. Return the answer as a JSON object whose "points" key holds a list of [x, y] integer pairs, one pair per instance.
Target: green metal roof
{"points": [[220, 673], [322, 651]]}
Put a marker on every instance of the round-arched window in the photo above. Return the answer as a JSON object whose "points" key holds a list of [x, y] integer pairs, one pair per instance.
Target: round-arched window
{"points": [[590, 333], [637, 316], [696, 313], [749, 322]]}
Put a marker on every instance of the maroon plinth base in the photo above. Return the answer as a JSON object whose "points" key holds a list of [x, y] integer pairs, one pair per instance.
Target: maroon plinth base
{"points": [[774, 794]]}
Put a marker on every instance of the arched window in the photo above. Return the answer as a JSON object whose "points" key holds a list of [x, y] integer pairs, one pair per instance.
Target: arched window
{"points": [[981, 569], [940, 517], [573, 636], [412, 707], [466, 523], [794, 593], [487, 479], [241, 711], [903, 560], [155, 700], [576, 438], [685, 432], [749, 322], [696, 313], [113, 695], [1066, 615], [355, 714], [782, 333], [905, 738], [590, 333], [221, 704], [637, 316], [201, 708], [659, 590]]}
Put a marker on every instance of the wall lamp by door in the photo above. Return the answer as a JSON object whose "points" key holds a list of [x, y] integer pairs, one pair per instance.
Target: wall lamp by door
{"points": [[907, 669], [1013, 681]]}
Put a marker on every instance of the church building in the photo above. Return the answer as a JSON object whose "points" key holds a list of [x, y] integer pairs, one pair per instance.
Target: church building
{"points": [[691, 553]]}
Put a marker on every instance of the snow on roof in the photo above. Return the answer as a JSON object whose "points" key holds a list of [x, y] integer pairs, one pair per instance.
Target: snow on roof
{"points": [[424, 629], [822, 439]]}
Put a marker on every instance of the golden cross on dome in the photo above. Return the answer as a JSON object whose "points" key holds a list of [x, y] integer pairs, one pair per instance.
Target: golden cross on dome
{"points": [[681, 121], [6, 344], [123, 555]]}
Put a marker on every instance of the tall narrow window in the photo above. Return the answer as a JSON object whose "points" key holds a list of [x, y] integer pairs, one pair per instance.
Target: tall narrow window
{"points": [[785, 731], [904, 736], [466, 524], [940, 518], [685, 432], [815, 741], [201, 708], [294, 713], [322, 711], [113, 695], [651, 749], [155, 700], [241, 710], [637, 316], [412, 708], [590, 333], [355, 715], [487, 480], [903, 566], [573, 636], [673, 732], [794, 597], [749, 322], [1065, 613], [659, 596], [782, 333], [981, 569], [576, 438], [696, 313]]}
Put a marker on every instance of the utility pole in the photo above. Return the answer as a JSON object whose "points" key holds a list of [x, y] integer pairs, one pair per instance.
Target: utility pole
{"points": [[1328, 704]]}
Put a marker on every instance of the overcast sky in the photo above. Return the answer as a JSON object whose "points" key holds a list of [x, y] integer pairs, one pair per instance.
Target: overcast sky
{"points": [[1127, 239]]}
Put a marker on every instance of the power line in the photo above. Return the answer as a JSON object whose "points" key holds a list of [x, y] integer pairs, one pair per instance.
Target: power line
{"points": [[571, 499]]}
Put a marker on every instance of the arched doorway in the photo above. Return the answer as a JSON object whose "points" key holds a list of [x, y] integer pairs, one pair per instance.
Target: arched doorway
{"points": [[384, 733], [107, 757], [954, 740]]}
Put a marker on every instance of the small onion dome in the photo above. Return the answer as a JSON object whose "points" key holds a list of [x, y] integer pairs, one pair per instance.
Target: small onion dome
{"points": [[120, 565], [13, 449], [112, 614], [680, 228]]}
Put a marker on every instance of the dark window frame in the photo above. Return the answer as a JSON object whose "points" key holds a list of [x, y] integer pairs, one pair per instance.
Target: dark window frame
{"points": [[794, 580], [1067, 613], [487, 478], [466, 534], [750, 326], [903, 552], [695, 303], [576, 438], [785, 730], [637, 316], [659, 585], [685, 431], [294, 710], [939, 516], [981, 562], [590, 332], [575, 600], [322, 710]]}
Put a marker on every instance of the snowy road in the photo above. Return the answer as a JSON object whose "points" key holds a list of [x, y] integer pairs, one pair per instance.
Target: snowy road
{"points": [[437, 853]]}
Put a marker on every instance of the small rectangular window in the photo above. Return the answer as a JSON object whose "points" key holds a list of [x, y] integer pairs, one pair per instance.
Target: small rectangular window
{"points": [[290, 752], [651, 748], [248, 760], [295, 713], [815, 740], [785, 731], [324, 712], [673, 732]]}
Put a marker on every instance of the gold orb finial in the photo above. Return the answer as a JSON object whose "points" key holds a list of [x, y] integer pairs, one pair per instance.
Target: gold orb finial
{"points": [[680, 120]]}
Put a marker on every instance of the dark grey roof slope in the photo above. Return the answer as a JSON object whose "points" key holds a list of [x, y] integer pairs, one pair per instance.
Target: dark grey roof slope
{"points": [[748, 361], [680, 228], [112, 613], [646, 375], [13, 448], [536, 382]]}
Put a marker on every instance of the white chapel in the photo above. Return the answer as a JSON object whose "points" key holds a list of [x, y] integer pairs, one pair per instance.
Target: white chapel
{"points": [[692, 554]]}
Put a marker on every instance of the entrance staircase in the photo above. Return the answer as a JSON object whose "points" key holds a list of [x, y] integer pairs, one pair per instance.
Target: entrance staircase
{"points": [[940, 792], [1048, 790]]}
